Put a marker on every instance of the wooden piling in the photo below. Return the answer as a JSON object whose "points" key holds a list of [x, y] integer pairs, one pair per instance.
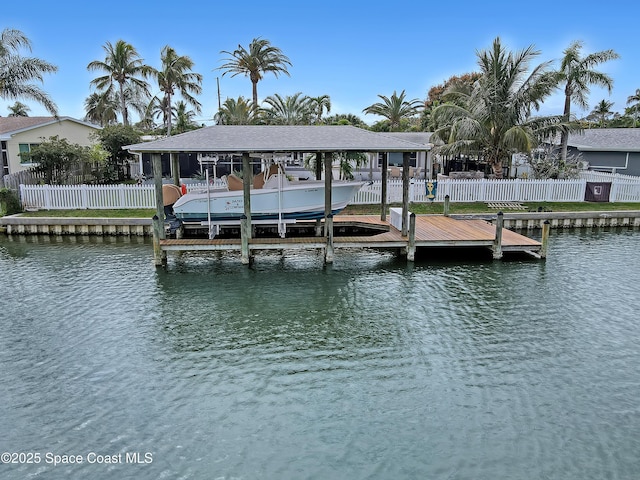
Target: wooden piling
{"points": [[546, 226], [406, 158], [245, 224], [328, 252], [385, 170], [497, 242], [411, 249], [446, 205], [159, 256]]}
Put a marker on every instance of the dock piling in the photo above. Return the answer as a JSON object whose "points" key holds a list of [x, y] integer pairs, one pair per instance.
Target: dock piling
{"points": [[411, 249], [497, 242], [546, 226], [446, 205]]}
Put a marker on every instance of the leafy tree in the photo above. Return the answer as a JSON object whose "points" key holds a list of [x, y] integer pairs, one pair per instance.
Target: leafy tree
{"points": [[113, 138], [17, 72], [175, 75], [395, 109], [293, 109], [634, 101], [494, 119], [57, 158], [577, 73], [260, 58], [436, 94], [19, 109], [236, 112], [122, 66], [9, 202]]}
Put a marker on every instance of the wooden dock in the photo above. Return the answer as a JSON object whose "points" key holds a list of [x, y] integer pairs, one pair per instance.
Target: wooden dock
{"points": [[430, 231]]}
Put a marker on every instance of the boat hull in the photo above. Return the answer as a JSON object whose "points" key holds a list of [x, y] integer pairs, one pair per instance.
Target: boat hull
{"points": [[304, 201]]}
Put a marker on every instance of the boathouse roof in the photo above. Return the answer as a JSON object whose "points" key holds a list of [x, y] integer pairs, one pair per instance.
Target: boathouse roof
{"points": [[607, 139], [276, 138]]}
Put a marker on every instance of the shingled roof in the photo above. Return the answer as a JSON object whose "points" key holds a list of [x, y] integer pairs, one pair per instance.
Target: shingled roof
{"points": [[272, 138], [12, 125], [607, 140]]}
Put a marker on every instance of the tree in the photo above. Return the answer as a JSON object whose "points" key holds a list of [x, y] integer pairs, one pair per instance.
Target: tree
{"points": [[57, 158], [184, 118], [293, 109], [101, 108], [494, 119], [394, 109], [236, 112], [19, 109], [602, 111], [17, 72], [123, 66], [577, 73], [113, 138], [175, 75], [319, 105], [261, 58], [630, 101], [345, 119]]}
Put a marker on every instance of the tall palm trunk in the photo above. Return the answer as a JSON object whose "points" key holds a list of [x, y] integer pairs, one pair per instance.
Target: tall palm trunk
{"points": [[564, 139], [123, 106], [168, 112]]}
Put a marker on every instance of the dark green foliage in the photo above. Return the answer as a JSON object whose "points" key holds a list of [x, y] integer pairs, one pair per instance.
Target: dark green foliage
{"points": [[9, 202], [57, 158], [113, 138]]}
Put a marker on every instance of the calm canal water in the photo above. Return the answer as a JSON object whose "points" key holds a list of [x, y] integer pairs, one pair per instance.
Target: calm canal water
{"points": [[369, 369]]}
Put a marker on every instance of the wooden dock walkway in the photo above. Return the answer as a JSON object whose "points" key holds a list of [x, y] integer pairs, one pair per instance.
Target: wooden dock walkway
{"points": [[430, 231]]}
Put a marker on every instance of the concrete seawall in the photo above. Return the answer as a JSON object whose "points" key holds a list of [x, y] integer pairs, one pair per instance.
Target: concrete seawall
{"points": [[19, 225], [534, 220]]}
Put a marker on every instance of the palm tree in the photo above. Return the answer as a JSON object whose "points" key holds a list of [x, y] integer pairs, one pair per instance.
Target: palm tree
{"points": [[176, 75], [602, 111], [101, 109], [184, 117], [123, 66], [262, 57], [630, 100], [395, 108], [293, 109], [320, 105], [577, 73], [17, 72], [494, 118], [236, 112], [19, 109]]}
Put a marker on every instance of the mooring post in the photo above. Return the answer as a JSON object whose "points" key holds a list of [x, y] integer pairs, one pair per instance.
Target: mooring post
{"points": [[406, 158], [328, 252], [546, 227], [385, 180], [159, 256], [245, 233], [411, 249], [446, 205], [497, 242]]}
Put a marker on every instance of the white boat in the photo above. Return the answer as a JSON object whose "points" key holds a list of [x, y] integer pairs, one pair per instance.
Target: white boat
{"points": [[275, 199]]}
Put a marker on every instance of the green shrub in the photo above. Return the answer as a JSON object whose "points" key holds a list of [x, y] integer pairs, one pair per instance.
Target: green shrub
{"points": [[9, 202]]}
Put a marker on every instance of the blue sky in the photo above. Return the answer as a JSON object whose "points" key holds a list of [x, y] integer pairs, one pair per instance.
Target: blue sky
{"points": [[350, 50]]}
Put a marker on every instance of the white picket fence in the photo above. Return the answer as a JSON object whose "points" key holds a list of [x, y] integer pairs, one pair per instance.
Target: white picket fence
{"points": [[623, 189]]}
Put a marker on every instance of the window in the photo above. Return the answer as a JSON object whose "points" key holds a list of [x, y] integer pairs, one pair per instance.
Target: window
{"points": [[25, 148]]}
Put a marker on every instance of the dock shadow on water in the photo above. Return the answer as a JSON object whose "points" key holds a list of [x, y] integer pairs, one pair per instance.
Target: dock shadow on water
{"points": [[370, 368]]}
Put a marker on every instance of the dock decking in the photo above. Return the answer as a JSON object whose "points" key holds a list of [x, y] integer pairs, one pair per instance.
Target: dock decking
{"points": [[430, 231]]}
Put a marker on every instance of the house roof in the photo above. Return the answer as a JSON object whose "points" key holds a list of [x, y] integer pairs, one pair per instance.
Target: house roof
{"points": [[606, 140], [272, 138], [12, 125], [423, 138]]}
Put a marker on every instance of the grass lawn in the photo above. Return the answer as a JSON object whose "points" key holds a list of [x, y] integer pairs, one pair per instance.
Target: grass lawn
{"points": [[418, 208]]}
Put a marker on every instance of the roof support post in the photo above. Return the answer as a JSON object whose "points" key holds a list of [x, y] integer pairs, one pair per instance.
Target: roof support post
{"points": [[328, 161], [160, 257], [175, 169], [319, 166], [385, 184], [245, 228], [406, 157]]}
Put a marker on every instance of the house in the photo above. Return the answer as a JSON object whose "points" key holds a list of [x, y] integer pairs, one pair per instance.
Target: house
{"points": [[20, 134], [615, 150]]}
